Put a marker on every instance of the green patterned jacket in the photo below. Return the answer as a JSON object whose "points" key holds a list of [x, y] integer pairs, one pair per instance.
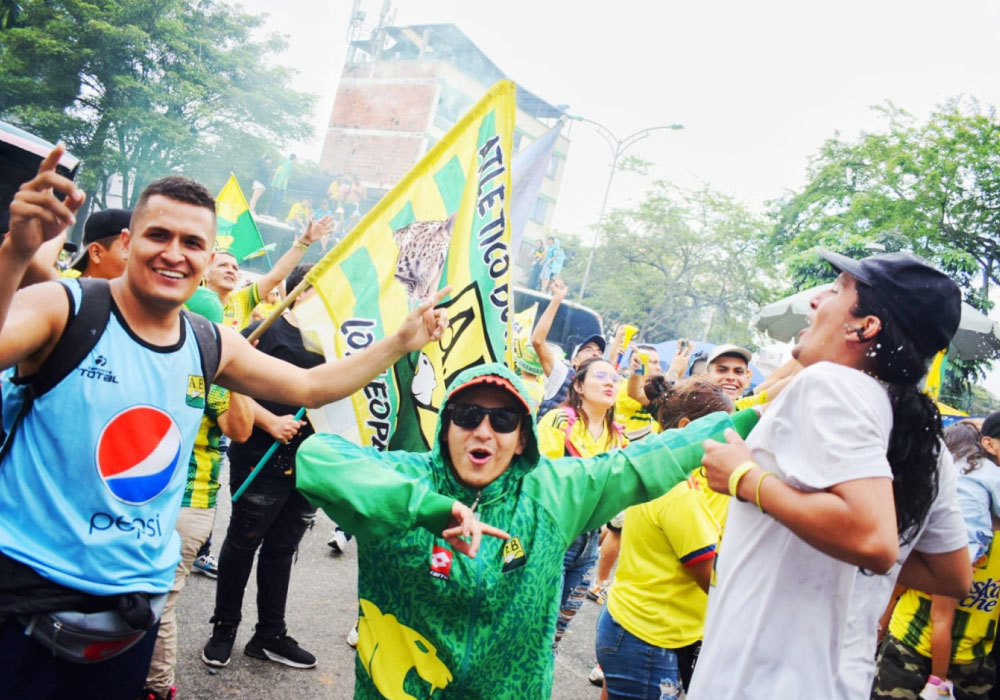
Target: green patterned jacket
{"points": [[433, 625]]}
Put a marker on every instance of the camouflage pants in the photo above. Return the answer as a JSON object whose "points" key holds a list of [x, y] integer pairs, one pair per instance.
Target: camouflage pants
{"points": [[902, 673]]}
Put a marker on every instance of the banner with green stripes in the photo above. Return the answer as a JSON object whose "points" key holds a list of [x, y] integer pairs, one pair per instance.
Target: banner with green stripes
{"points": [[445, 223]]}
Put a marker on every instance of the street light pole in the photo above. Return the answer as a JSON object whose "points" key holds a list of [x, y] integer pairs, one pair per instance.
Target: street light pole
{"points": [[618, 147]]}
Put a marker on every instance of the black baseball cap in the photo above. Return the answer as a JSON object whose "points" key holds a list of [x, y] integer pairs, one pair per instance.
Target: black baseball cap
{"points": [[596, 339], [100, 224], [925, 302]]}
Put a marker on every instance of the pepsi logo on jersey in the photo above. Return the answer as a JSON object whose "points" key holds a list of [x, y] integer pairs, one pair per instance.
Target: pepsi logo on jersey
{"points": [[138, 453]]}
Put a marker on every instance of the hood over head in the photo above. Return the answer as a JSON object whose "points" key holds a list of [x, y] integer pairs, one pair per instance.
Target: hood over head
{"points": [[498, 375]]}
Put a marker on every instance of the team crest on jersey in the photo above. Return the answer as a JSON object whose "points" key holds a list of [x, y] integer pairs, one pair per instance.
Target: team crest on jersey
{"points": [[514, 556], [195, 391], [441, 563]]}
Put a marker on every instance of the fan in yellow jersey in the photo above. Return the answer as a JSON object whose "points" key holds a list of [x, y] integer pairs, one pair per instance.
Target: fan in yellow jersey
{"points": [[584, 426], [904, 660], [222, 276], [649, 633]]}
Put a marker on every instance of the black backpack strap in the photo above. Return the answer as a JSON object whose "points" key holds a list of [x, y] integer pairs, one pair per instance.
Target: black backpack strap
{"points": [[83, 329], [79, 337], [209, 344]]}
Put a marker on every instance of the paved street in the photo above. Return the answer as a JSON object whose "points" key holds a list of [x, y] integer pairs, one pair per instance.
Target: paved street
{"points": [[321, 609]]}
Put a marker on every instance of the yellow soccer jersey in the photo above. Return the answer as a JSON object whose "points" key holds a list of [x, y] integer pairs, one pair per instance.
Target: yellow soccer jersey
{"points": [[239, 306], [975, 626], [203, 466], [654, 597], [750, 401], [552, 437], [638, 421]]}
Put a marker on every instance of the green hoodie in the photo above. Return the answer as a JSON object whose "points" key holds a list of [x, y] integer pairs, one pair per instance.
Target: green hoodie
{"points": [[434, 624]]}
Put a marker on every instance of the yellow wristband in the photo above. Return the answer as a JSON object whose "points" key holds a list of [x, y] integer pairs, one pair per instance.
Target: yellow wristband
{"points": [[759, 482], [300, 244], [737, 474]]}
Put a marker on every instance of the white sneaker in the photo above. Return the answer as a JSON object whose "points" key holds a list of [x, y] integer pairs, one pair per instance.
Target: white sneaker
{"points": [[338, 542], [596, 676], [937, 689], [352, 637]]}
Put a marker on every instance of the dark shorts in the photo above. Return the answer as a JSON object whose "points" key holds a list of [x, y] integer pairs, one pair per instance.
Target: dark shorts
{"points": [[902, 673]]}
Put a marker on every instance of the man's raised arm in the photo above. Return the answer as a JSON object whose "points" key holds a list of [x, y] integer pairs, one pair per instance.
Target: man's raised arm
{"points": [[284, 265], [544, 325], [245, 369], [32, 318]]}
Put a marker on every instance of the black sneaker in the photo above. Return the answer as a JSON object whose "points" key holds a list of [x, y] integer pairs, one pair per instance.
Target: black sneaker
{"points": [[220, 646], [282, 649]]}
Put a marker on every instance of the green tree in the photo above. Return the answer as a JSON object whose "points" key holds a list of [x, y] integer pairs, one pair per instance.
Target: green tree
{"points": [[143, 88], [931, 187], [679, 263]]}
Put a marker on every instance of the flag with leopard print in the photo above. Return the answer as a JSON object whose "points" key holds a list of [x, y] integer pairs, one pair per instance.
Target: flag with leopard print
{"points": [[445, 223]]}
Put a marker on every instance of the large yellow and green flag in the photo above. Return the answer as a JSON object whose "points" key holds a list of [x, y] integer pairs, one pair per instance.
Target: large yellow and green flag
{"points": [[444, 223], [237, 231]]}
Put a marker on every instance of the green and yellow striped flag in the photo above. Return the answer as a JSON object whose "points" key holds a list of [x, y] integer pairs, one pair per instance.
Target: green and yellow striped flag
{"points": [[445, 222], [237, 231]]}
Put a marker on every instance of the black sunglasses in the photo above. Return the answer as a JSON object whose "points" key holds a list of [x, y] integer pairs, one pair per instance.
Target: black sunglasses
{"points": [[470, 415]]}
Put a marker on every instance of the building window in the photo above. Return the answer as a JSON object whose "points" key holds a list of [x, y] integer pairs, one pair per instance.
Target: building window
{"points": [[540, 212], [553, 168]]}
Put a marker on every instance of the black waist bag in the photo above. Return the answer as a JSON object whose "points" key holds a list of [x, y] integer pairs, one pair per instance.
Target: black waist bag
{"points": [[97, 636]]}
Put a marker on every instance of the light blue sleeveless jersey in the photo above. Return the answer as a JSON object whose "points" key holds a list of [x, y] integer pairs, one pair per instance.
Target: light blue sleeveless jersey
{"points": [[92, 485]]}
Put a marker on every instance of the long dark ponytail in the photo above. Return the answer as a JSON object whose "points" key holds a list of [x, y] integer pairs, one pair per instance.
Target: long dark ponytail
{"points": [[915, 440]]}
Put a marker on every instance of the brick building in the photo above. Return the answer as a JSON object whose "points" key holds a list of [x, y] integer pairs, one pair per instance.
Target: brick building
{"points": [[402, 89]]}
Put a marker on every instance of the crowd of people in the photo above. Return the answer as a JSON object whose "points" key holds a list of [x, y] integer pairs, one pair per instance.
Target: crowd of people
{"points": [[815, 535], [342, 201]]}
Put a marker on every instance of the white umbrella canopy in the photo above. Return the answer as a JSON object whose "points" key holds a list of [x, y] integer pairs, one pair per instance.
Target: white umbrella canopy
{"points": [[978, 337], [783, 319]]}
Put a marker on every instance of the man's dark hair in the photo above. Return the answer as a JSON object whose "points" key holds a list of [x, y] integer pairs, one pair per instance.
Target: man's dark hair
{"points": [[296, 275], [177, 187]]}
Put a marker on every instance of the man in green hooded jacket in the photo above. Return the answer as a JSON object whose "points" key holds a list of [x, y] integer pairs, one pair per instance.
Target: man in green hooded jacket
{"points": [[478, 626]]}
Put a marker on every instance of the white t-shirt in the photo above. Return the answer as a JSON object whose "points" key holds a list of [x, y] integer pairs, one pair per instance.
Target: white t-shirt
{"points": [[943, 530], [778, 610], [554, 381]]}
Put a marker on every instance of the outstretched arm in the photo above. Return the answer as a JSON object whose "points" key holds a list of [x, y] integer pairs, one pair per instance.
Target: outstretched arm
{"points": [[372, 497], [245, 369], [544, 325], [583, 494]]}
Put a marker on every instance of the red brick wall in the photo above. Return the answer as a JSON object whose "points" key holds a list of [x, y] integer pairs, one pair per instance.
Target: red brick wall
{"points": [[386, 107], [377, 160]]}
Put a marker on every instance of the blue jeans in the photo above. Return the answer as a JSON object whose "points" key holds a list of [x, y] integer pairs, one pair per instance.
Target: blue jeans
{"points": [[31, 672], [632, 668], [578, 563]]}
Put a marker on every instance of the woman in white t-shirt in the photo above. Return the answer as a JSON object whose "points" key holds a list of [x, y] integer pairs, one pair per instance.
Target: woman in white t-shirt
{"points": [[852, 448]]}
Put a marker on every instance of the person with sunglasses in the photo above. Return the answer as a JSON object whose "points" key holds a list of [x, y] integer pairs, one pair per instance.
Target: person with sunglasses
{"points": [[435, 624], [584, 426]]}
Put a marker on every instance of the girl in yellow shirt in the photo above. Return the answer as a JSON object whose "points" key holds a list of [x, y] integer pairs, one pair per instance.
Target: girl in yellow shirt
{"points": [[584, 426], [649, 631]]}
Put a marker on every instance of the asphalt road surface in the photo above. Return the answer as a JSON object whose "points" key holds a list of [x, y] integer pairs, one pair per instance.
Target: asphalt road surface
{"points": [[322, 605]]}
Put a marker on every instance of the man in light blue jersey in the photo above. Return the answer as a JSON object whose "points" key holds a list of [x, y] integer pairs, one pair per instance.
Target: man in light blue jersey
{"points": [[91, 484]]}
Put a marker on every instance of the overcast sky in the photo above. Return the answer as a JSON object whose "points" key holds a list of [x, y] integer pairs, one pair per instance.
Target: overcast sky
{"points": [[758, 85]]}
